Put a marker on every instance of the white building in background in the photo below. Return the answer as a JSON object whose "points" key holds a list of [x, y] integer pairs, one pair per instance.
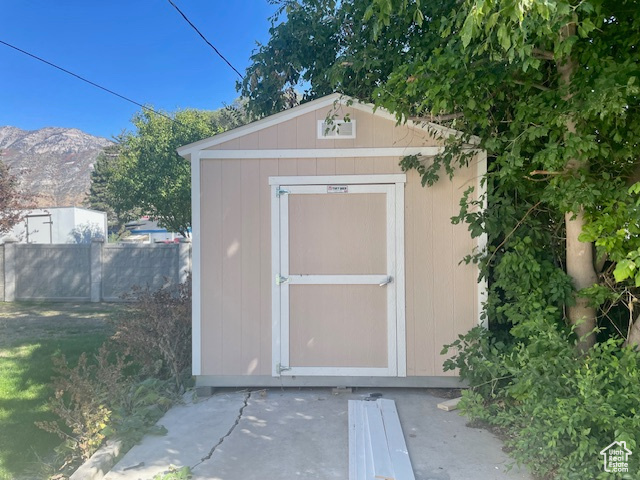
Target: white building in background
{"points": [[59, 225]]}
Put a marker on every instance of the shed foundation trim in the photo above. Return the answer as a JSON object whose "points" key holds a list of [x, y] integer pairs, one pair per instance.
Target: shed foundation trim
{"points": [[328, 381]]}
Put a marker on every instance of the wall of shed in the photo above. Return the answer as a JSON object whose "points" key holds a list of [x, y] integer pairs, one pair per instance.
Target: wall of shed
{"points": [[441, 295]]}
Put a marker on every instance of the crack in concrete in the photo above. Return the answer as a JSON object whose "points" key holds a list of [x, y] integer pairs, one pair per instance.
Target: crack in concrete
{"points": [[224, 437]]}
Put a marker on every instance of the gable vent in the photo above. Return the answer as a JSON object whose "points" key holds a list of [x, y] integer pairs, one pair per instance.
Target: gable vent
{"points": [[336, 129]]}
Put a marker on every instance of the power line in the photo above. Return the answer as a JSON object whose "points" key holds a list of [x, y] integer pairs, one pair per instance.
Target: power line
{"points": [[204, 38], [88, 81]]}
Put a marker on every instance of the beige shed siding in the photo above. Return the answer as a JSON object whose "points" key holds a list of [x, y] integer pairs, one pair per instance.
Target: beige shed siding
{"points": [[323, 230], [330, 317], [301, 132], [419, 277], [465, 279], [444, 266], [250, 179], [441, 295], [211, 265], [233, 249]]}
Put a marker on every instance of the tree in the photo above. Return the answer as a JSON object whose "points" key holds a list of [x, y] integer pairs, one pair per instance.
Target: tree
{"points": [[565, 114], [101, 196], [323, 46], [148, 177], [12, 202], [550, 88]]}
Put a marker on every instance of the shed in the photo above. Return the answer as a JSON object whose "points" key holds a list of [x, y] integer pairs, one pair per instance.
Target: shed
{"points": [[318, 262], [53, 225]]}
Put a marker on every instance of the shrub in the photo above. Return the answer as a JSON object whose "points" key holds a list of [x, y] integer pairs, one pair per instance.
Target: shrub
{"points": [[132, 381], [83, 401], [145, 402], [558, 408], [102, 399], [156, 330]]}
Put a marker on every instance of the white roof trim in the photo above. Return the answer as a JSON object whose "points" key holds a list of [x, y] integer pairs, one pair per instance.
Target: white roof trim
{"points": [[259, 125], [291, 113]]}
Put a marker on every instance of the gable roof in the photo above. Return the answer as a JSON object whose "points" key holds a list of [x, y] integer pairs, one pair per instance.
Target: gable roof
{"points": [[333, 99]]}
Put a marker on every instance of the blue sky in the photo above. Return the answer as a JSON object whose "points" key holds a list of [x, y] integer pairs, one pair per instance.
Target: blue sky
{"points": [[142, 49]]}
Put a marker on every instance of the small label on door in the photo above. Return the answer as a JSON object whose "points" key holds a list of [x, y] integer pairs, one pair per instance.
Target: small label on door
{"points": [[337, 189]]}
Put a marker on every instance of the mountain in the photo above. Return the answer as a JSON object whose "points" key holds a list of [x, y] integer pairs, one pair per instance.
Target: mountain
{"points": [[53, 164]]}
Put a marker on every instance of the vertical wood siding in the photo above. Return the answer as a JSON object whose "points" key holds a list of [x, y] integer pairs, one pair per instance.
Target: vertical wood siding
{"points": [[338, 234], [441, 294], [327, 320]]}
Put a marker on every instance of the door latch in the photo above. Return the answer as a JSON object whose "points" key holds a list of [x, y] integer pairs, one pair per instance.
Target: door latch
{"points": [[280, 279], [386, 281]]}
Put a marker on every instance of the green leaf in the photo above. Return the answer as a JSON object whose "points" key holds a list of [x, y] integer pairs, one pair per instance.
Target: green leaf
{"points": [[368, 13], [587, 25], [624, 269], [635, 188], [503, 37], [418, 16], [491, 21], [467, 31]]}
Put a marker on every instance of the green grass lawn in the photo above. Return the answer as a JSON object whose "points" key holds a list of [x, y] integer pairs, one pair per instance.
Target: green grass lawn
{"points": [[30, 335]]}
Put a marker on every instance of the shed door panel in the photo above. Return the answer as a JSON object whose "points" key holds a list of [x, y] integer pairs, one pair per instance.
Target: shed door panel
{"points": [[337, 234], [337, 326], [338, 300]]}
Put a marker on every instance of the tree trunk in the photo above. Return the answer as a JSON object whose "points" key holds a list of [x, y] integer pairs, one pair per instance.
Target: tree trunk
{"points": [[633, 339], [580, 269], [580, 257]]}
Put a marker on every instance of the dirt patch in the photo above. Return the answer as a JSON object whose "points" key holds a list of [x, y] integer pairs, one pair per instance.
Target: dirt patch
{"points": [[29, 320]]}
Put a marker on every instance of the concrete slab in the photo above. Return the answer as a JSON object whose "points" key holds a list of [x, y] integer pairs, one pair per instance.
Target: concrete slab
{"points": [[193, 430], [303, 434], [442, 447], [284, 435]]}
